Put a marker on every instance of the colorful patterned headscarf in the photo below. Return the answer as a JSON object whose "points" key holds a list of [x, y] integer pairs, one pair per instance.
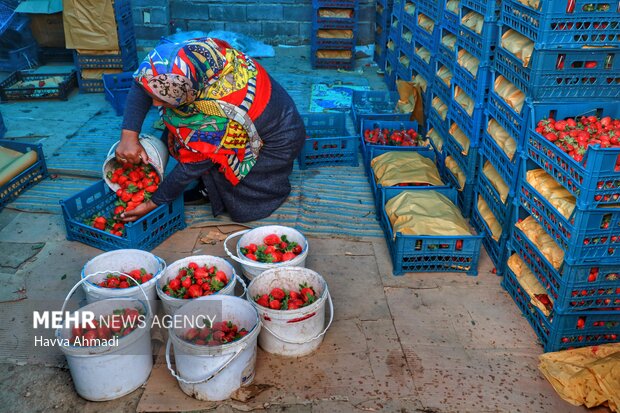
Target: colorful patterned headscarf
{"points": [[211, 87]]}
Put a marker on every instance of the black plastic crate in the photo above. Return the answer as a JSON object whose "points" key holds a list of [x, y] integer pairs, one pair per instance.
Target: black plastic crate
{"points": [[8, 91]]}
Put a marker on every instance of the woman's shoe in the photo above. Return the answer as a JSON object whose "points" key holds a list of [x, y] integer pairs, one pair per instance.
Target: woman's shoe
{"points": [[196, 196]]}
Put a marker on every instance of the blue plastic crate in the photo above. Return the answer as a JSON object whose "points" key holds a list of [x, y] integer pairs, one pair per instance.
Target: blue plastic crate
{"points": [[468, 163], [465, 195], [390, 125], [338, 43], [116, 87], [89, 85], [442, 124], [449, 19], [503, 211], [562, 331], [488, 8], [437, 146], [26, 57], [145, 233], [375, 105], [497, 250], [586, 235], [440, 88], [431, 8], [420, 65], [409, 13], [378, 190], [512, 121], [336, 4], [404, 64], [407, 33], [426, 39], [575, 286], [2, 127], [596, 180], [507, 168], [27, 178], [471, 125], [445, 54], [482, 45], [552, 26], [326, 22], [383, 11], [328, 142], [10, 88], [331, 63], [391, 66], [563, 74], [477, 87], [380, 52], [418, 253], [127, 59]]}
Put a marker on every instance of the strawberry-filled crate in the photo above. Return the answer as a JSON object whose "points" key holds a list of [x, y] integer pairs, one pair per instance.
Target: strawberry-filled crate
{"points": [[146, 233], [426, 253], [561, 24], [589, 235], [328, 142], [563, 331], [563, 73], [378, 189], [375, 105], [387, 135], [497, 249], [591, 174], [512, 118], [575, 286], [116, 87], [27, 86], [482, 45], [28, 177], [501, 156]]}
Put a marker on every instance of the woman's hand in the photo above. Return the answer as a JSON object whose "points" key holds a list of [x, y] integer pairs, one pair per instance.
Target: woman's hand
{"points": [[130, 149], [138, 212]]}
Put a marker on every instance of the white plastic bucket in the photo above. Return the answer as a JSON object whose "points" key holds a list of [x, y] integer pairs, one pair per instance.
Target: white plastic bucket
{"points": [[155, 148], [121, 261], [109, 372], [213, 373], [293, 333], [171, 304], [255, 236]]}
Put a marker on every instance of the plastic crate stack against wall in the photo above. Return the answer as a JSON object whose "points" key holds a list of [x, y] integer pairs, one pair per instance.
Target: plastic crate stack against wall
{"points": [[383, 14], [91, 67], [19, 48], [334, 34], [572, 54], [393, 44]]}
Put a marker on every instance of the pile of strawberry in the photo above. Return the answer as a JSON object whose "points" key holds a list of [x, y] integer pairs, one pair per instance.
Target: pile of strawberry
{"points": [[118, 324], [573, 136], [280, 299], [137, 185], [219, 333], [394, 137], [194, 281], [273, 249], [120, 281]]}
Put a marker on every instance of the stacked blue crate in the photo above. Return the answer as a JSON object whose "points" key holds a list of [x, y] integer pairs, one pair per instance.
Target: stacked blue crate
{"points": [[125, 60], [334, 34], [393, 47], [382, 23]]}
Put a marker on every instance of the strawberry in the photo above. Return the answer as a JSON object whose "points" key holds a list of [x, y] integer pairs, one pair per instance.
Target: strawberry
{"points": [[195, 291], [262, 300], [174, 284], [297, 250], [221, 277], [278, 294], [287, 256], [275, 305], [251, 257], [271, 239], [307, 293], [186, 282]]}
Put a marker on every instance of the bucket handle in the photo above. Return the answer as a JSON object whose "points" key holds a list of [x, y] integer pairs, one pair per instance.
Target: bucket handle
{"points": [[234, 257], [83, 280], [245, 287], [331, 319], [162, 264], [213, 375]]}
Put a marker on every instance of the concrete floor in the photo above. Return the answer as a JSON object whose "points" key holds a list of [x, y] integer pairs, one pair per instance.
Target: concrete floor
{"points": [[416, 343]]}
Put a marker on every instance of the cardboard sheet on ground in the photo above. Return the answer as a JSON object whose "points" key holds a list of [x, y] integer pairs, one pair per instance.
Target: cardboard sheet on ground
{"points": [[90, 24], [587, 376], [425, 213], [393, 168], [332, 98], [12, 163]]}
